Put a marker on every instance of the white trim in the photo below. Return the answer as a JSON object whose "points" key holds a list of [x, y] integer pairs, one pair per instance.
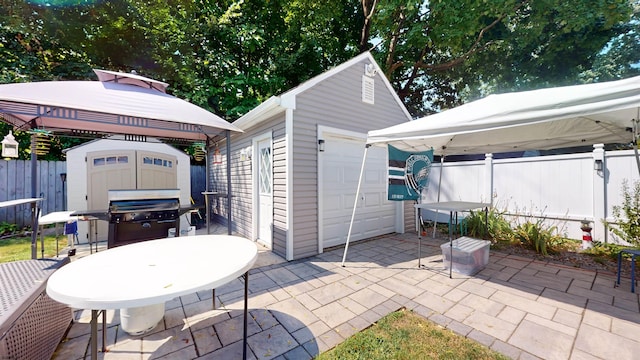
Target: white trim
{"points": [[260, 113], [289, 181], [323, 132], [255, 199], [400, 217]]}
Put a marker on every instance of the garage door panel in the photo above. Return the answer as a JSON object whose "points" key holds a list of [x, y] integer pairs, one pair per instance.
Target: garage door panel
{"points": [[372, 199], [375, 215], [331, 177], [333, 202]]}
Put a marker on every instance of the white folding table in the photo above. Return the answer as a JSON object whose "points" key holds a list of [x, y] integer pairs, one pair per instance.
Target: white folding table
{"points": [[453, 207], [35, 212], [151, 272], [57, 217]]}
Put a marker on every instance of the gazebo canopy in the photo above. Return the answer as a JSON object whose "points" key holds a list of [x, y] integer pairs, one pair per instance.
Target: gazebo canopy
{"points": [[133, 105]]}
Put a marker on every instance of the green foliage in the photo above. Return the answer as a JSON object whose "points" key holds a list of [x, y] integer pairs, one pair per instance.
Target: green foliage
{"points": [[531, 233], [228, 56], [606, 251], [627, 215], [8, 228], [537, 236], [499, 227], [441, 52]]}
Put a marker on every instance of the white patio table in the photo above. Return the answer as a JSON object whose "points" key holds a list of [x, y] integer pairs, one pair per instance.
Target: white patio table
{"points": [[151, 272]]}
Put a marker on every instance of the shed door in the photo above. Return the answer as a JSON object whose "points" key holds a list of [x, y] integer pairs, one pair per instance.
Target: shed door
{"points": [[108, 170], [126, 169], [265, 192], [341, 162], [156, 171]]}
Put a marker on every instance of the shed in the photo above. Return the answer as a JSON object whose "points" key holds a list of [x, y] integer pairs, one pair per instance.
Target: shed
{"points": [[109, 164], [295, 167]]}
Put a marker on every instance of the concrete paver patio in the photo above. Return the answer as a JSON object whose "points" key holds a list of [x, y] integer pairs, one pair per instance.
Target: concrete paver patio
{"points": [[522, 308]]}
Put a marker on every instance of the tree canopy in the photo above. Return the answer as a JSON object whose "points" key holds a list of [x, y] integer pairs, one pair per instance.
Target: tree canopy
{"points": [[229, 56]]}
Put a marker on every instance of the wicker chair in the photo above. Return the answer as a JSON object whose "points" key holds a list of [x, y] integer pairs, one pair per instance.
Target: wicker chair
{"points": [[31, 324]]}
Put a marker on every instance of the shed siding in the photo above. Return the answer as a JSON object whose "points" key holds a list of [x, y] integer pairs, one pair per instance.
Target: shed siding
{"points": [[409, 216], [335, 102], [242, 182]]}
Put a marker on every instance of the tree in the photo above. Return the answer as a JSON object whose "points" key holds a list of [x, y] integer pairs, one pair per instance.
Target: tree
{"points": [[621, 56], [438, 53], [228, 56]]}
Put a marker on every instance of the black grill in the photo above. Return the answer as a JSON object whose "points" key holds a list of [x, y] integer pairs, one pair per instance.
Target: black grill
{"points": [[141, 215]]}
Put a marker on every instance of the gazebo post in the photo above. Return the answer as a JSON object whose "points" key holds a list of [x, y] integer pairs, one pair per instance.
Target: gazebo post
{"points": [[34, 190]]}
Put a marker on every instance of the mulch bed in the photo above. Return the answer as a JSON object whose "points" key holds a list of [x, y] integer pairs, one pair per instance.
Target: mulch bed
{"points": [[572, 258]]}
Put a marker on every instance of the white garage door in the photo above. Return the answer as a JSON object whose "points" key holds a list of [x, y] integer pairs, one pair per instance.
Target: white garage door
{"points": [[341, 162]]}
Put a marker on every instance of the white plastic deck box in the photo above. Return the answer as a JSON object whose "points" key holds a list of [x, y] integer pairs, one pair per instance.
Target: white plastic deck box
{"points": [[469, 255]]}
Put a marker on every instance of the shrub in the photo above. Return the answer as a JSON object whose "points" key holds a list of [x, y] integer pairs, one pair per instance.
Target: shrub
{"points": [[609, 251], [627, 215], [537, 236], [499, 227], [7, 228]]}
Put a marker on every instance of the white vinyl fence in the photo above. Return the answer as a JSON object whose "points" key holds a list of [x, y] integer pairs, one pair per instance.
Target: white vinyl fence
{"points": [[561, 189]]}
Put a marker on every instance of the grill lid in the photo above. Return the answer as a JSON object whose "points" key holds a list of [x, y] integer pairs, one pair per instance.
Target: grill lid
{"points": [[143, 194]]}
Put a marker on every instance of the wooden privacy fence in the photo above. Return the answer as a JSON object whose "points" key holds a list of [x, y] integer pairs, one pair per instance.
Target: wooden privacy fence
{"points": [[15, 183]]}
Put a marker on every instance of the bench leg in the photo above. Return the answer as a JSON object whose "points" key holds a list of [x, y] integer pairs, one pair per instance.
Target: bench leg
{"points": [[619, 265]]}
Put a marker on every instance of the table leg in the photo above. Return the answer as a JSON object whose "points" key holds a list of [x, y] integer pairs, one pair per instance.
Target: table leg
{"points": [[633, 273], [451, 245], [42, 246], [206, 203], [94, 334], [213, 298], [419, 238], [90, 236], [57, 251], [95, 233], [246, 295], [104, 331]]}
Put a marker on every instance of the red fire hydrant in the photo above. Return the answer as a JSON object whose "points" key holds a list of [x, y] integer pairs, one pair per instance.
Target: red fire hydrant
{"points": [[586, 234]]}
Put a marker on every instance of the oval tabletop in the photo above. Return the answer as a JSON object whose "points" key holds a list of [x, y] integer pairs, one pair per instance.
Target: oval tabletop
{"points": [[151, 272]]}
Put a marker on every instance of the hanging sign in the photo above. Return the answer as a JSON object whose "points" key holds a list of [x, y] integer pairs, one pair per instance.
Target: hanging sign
{"points": [[408, 173]]}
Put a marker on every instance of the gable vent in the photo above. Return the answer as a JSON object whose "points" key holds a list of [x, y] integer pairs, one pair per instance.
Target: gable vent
{"points": [[368, 89]]}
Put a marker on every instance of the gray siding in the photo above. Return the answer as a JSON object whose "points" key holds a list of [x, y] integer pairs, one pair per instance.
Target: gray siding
{"points": [[409, 216], [335, 102], [242, 182]]}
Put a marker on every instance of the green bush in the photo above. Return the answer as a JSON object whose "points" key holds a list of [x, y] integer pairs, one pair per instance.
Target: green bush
{"points": [[499, 227], [600, 250], [627, 215], [8, 228], [537, 236], [532, 234]]}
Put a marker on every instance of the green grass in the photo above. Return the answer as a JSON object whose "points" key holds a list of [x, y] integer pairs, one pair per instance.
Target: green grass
{"points": [[19, 248], [404, 335]]}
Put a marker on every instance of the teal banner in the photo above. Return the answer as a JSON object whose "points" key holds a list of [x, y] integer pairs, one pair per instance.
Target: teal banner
{"points": [[408, 173]]}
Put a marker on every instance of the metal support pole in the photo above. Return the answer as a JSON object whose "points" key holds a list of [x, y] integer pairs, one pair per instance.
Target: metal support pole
{"points": [[34, 192], [355, 205], [229, 225], [207, 184], [246, 295]]}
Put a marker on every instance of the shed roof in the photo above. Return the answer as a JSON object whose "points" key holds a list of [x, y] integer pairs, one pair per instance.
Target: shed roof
{"points": [[277, 104]]}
